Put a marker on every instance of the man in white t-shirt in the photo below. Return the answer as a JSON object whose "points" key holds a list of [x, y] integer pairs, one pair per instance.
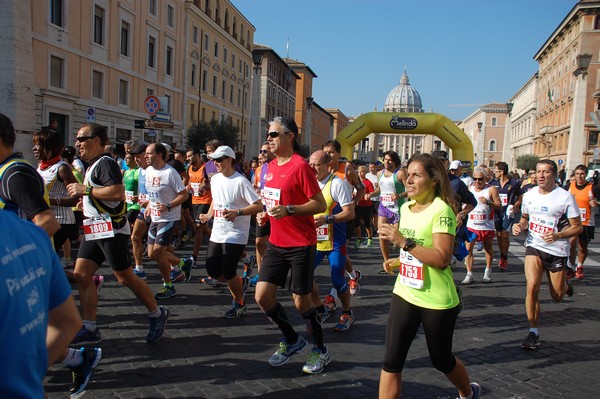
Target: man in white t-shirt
{"points": [[551, 216], [166, 193]]}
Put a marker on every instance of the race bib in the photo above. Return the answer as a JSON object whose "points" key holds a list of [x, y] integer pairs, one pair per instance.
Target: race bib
{"points": [[154, 211], [219, 211], [387, 200], [143, 197], [411, 270], [196, 188], [478, 216], [272, 197], [583, 212], [129, 196], [262, 196], [504, 199], [538, 226], [323, 233], [98, 228]]}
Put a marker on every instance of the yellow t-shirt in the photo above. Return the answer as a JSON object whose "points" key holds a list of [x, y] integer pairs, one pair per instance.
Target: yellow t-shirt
{"points": [[438, 290]]}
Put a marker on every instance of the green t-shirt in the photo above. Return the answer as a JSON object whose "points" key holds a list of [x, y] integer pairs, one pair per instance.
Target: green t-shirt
{"points": [[438, 290], [130, 180]]}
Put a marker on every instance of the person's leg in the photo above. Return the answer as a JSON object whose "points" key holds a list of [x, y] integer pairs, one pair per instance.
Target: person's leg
{"points": [[231, 255], [140, 229], [383, 244], [534, 270], [557, 283], [88, 296], [469, 257], [138, 286], [573, 243]]}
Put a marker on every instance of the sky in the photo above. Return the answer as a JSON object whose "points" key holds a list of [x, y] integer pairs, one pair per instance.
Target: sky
{"points": [[458, 54]]}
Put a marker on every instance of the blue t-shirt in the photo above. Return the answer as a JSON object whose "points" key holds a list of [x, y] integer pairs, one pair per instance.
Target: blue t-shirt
{"points": [[33, 283]]}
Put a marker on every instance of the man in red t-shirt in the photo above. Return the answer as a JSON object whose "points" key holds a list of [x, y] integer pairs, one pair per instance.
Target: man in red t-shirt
{"points": [[292, 196]]}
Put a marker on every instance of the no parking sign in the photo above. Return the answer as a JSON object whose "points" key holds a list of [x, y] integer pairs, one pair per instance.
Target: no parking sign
{"points": [[151, 105], [90, 116]]}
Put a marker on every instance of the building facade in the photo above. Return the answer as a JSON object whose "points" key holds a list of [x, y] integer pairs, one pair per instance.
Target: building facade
{"points": [[523, 122], [304, 103], [486, 129]]}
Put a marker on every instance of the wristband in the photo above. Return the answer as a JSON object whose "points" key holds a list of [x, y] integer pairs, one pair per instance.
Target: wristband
{"points": [[88, 190], [240, 212]]}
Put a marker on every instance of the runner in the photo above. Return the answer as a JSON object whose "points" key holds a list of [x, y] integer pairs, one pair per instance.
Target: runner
{"points": [[142, 222], [510, 195], [106, 237], [550, 215], [131, 177], [234, 201], [166, 193], [372, 176], [581, 189], [199, 189], [331, 236], [293, 197], [363, 211], [481, 222]]}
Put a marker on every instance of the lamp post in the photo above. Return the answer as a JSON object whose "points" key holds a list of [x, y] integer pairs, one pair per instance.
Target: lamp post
{"points": [[480, 145], [577, 129], [255, 139], [506, 152], [308, 129]]}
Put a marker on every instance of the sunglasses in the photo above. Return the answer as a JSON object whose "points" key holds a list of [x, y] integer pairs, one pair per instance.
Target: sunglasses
{"points": [[219, 160], [83, 138], [263, 151], [478, 179], [273, 134]]}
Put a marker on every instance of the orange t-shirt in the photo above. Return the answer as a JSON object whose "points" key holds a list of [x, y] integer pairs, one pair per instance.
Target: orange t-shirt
{"points": [[200, 186]]}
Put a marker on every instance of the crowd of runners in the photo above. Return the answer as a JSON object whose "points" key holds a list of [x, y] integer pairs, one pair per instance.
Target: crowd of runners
{"points": [[427, 215]]}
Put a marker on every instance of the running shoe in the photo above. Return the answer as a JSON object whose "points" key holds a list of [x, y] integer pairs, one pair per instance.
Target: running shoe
{"points": [[83, 373], [346, 320], [211, 281], [245, 285], [177, 275], [86, 337], [158, 325], [67, 263], [236, 310], [286, 351], [579, 272], [487, 276], [570, 288], [531, 342], [570, 273], [253, 281], [354, 283], [140, 273], [357, 243], [369, 242], [503, 265], [165, 292], [98, 282], [329, 303], [476, 389], [324, 316], [468, 280], [249, 266], [317, 361], [187, 269], [185, 238], [480, 245]]}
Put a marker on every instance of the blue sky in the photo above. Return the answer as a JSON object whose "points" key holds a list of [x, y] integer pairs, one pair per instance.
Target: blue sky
{"points": [[455, 51]]}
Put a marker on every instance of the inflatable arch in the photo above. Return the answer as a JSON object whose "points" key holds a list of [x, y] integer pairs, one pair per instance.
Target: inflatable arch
{"points": [[407, 123]]}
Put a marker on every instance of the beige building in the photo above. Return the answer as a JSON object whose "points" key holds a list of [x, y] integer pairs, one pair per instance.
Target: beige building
{"points": [[304, 102], [567, 94], [340, 120], [486, 127], [522, 123], [98, 61]]}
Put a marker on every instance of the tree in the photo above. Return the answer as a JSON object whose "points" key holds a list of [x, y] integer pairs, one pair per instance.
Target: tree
{"points": [[527, 162], [200, 133]]}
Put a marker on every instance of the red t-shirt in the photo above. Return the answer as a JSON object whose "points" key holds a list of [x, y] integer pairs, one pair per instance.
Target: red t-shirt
{"points": [[368, 189], [293, 183]]}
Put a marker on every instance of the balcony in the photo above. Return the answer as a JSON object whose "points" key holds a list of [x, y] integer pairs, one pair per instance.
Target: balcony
{"points": [[547, 129]]}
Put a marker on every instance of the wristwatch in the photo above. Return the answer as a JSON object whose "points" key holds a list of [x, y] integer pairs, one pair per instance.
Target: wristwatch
{"points": [[240, 212], [168, 207], [409, 245], [290, 209]]}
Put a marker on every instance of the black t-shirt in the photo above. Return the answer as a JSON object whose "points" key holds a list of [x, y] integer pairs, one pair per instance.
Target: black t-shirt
{"points": [[460, 189], [107, 172], [22, 186]]}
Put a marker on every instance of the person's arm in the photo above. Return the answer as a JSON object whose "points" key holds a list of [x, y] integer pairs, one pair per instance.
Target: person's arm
{"points": [[115, 192], [66, 175], [63, 323], [522, 226], [182, 196], [251, 209], [438, 256], [494, 202], [575, 228], [47, 221]]}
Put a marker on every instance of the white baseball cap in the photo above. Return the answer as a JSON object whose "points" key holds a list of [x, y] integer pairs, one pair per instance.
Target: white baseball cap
{"points": [[455, 164], [222, 151]]}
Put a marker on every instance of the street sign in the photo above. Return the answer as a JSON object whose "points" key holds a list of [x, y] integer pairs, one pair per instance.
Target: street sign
{"points": [[151, 133], [560, 162], [90, 116], [161, 116], [152, 124], [151, 105]]}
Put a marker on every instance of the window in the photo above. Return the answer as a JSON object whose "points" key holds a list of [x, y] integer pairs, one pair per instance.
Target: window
{"points": [[97, 84], [491, 163], [192, 111], [224, 55], [204, 80], [193, 75], [231, 94], [170, 16], [206, 42], [492, 145], [167, 106], [151, 51], [124, 38], [223, 88], [597, 22], [214, 86], [152, 7], [216, 50], [56, 72], [169, 61], [99, 25], [56, 12], [149, 92], [494, 121], [123, 92], [232, 60], [593, 138], [195, 35]]}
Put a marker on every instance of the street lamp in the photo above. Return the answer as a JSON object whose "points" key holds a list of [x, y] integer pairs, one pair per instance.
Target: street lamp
{"points": [[583, 62], [308, 129], [506, 152], [257, 58], [480, 144]]}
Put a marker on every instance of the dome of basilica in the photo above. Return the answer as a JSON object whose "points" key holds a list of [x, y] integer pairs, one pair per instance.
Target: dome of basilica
{"points": [[403, 98]]}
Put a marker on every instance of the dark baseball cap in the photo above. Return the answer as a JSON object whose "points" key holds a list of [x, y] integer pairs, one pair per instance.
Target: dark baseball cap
{"points": [[138, 148]]}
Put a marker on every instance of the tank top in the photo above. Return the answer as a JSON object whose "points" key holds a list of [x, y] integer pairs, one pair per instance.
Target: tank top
{"points": [[482, 216], [390, 185], [57, 189]]}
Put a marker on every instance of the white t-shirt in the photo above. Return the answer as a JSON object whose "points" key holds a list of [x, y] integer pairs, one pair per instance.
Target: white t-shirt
{"points": [[373, 179], [481, 218], [163, 186], [232, 193], [341, 191], [544, 213]]}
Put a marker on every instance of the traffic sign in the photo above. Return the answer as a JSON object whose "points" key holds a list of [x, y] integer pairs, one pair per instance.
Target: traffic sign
{"points": [[151, 133], [90, 116], [152, 124], [151, 105], [560, 162]]}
